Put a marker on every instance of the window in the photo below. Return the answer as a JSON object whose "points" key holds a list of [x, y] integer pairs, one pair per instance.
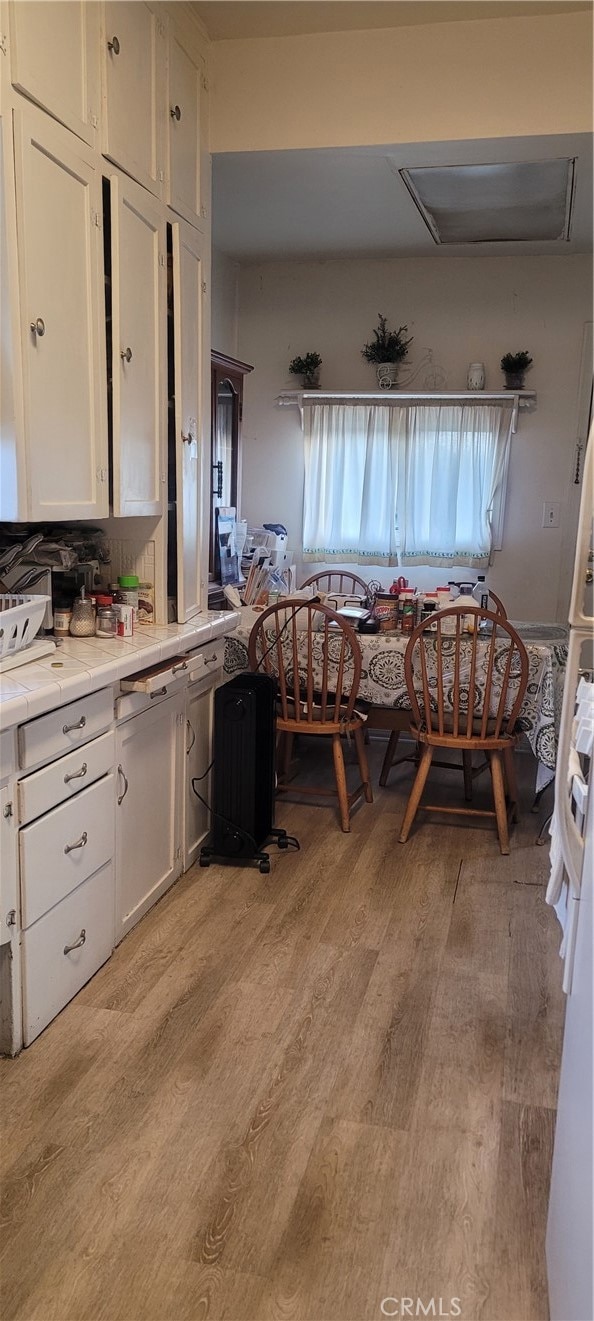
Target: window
{"points": [[411, 484]]}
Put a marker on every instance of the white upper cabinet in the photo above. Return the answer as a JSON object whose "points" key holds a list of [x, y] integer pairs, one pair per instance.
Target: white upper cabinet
{"points": [[133, 71], [54, 59], [62, 319], [138, 348], [186, 82], [190, 375]]}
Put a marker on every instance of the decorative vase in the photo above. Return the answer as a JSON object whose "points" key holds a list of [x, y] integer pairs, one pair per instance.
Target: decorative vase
{"points": [[387, 374], [475, 379], [514, 380]]}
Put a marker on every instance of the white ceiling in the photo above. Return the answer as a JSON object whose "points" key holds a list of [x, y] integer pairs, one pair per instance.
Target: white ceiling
{"points": [[230, 20], [351, 202]]}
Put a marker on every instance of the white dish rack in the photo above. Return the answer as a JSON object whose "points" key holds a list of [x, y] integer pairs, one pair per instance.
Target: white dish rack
{"points": [[21, 618]]}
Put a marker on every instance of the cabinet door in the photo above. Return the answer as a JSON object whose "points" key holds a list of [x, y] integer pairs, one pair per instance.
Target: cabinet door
{"points": [[148, 818], [54, 52], [60, 253], [138, 349], [189, 369], [186, 79], [133, 41], [198, 752]]}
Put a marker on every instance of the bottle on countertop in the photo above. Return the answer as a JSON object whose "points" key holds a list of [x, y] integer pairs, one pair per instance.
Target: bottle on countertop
{"points": [[480, 592], [82, 623]]}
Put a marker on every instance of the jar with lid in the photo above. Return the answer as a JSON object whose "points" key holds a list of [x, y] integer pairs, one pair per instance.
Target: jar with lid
{"points": [[62, 618], [127, 593], [107, 621], [82, 623]]}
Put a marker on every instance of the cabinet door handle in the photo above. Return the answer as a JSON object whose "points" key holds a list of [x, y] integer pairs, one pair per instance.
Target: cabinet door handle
{"points": [[114, 46], [218, 489], [211, 660], [126, 354], [175, 112], [76, 775], [76, 944], [80, 843], [193, 733], [187, 440], [183, 665], [78, 724], [159, 693], [38, 327], [122, 795]]}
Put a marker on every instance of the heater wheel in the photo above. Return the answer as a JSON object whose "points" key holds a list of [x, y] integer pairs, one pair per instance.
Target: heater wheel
{"points": [[265, 865]]}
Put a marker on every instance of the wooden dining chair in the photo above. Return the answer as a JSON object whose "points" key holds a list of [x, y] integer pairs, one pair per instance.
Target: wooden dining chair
{"points": [[395, 726], [466, 692], [337, 580], [315, 656]]}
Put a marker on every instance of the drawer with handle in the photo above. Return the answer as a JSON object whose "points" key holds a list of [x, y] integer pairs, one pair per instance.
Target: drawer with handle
{"points": [[151, 686], [64, 729], [206, 660], [64, 948], [62, 779], [65, 846]]}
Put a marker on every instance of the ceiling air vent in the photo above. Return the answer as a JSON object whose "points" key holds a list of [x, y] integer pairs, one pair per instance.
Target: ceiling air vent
{"points": [[523, 201]]}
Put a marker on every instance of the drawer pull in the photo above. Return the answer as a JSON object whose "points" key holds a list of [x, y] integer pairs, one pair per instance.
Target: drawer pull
{"points": [[76, 944], [211, 660], [122, 795], [78, 724], [193, 733], [76, 775], [159, 693], [80, 843], [183, 665]]}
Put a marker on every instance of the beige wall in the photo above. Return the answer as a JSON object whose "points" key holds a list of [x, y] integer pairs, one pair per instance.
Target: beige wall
{"points": [[465, 310], [490, 78]]}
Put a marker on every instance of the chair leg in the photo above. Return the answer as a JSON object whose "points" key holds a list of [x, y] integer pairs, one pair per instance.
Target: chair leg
{"points": [[389, 757], [359, 737], [416, 792], [499, 800], [467, 768], [341, 784], [512, 784]]}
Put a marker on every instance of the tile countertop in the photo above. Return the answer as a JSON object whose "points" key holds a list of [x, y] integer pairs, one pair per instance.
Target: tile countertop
{"points": [[82, 665]]}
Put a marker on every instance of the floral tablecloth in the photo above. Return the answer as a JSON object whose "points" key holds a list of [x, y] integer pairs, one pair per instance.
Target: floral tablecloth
{"points": [[382, 678]]}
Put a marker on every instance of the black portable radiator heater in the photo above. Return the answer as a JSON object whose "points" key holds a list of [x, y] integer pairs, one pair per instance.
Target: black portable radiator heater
{"points": [[243, 773]]}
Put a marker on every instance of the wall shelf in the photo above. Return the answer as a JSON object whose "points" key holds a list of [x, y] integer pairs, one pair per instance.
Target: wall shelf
{"points": [[520, 399]]}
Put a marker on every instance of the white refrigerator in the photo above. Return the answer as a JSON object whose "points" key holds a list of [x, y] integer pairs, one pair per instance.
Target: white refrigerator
{"points": [[570, 1228]]}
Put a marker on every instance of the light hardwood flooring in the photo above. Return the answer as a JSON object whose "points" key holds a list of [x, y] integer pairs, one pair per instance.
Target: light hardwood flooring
{"points": [[289, 1097]]}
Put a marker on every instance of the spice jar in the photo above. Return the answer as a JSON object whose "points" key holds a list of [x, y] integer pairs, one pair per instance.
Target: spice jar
{"points": [[82, 624], [107, 621]]}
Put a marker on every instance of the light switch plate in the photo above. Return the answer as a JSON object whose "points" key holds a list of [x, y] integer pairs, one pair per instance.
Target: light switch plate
{"points": [[550, 514]]}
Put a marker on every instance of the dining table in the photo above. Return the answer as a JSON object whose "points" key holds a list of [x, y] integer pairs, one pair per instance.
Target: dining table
{"points": [[383, 684]]}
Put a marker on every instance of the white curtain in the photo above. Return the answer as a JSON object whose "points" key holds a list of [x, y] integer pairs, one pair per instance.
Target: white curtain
{"points": [[390, 483]]}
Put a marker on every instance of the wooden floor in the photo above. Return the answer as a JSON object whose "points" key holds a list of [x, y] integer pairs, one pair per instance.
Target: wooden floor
{"points": [[294, 1096]]}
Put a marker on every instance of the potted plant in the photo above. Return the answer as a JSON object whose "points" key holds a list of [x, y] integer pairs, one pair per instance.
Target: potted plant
{"points": [[386, 350], [515, 366], [308, 368]]}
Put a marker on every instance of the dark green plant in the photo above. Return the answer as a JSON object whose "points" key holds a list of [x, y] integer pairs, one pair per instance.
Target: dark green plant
{"points": [[386, 345], [307, 366], [516, 362]]}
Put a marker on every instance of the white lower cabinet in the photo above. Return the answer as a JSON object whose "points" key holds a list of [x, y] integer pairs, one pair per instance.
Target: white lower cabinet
{"points": [[197, 758], [148, 808], [64, 948]]}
